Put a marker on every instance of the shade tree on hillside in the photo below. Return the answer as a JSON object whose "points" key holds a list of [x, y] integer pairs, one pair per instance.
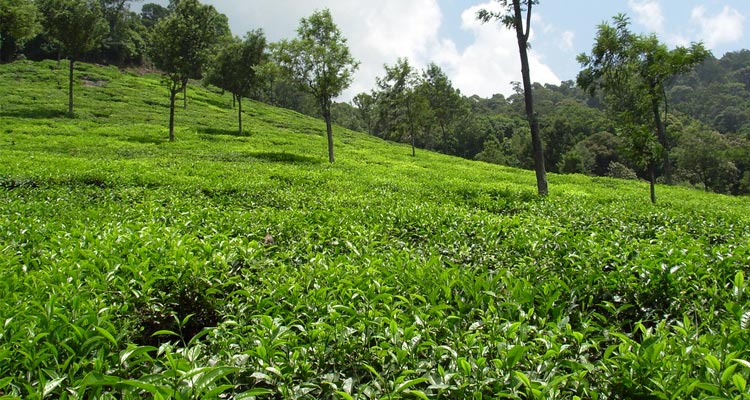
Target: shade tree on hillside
{"points": [[76, 26], [319, 62], [125, 44], [235, 68], [403, 109], [366, 109], [446, 105], [632, 71], [420, 107], [181, 45], [512, 15], [19, 21]]}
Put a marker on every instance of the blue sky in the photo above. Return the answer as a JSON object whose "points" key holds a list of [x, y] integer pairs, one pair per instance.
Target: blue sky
{"points": [[483, 59]]}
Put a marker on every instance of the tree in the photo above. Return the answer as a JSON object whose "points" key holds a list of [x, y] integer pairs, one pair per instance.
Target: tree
{"points": [[234, 68], [445, 102], [632, 72], [19, 20], [151, 13], [365, 104], [125, 43], [319, 62], [704, 157], [180, 47], [403, 108], [77, 25], [512, 16]]}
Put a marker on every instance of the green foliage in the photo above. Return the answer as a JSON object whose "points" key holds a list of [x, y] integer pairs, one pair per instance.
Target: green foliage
{"points": [[387, 277], [180, 47], [126, 42], [319, 62], [19, 20], [620, 171], [403, 107], [151, 13], [234, 68], [76, 25], [632, 71]]}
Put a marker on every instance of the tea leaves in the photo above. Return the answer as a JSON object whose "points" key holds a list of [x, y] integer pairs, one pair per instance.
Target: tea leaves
{"points": [[131, 267]]}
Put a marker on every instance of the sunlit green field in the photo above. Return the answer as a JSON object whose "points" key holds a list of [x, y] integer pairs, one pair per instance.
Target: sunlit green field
{"points": [[225, 266]]}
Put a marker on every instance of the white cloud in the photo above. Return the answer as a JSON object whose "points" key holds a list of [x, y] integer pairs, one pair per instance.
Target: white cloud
{"points": [[566, 41], [722, 28], [491, 62], [380, 32], [648, 13]]}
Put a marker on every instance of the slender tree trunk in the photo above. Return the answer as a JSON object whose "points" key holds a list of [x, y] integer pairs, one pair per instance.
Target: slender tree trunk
{"points": [[652, 182], [326, 105], [172, 98], [661, 133], [413, 145], [536, 139], [70, 87], [239, 113], [184, 96]]}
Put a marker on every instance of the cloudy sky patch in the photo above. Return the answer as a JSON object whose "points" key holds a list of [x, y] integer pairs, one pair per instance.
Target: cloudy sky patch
{"points": [[483, 58]]}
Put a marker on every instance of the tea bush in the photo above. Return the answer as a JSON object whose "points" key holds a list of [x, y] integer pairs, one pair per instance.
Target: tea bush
{"points": [[131, 267]]}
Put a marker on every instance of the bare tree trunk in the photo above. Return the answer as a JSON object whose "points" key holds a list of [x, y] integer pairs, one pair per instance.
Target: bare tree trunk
{"points": [[326, 106], [239, 113], [70, 87], [652, 182], [661, 134], [536, 139], [172, 98], [184, 97]]}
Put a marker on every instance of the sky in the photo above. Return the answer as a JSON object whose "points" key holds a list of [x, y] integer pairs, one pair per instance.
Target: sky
{"points": [[482, 59]]}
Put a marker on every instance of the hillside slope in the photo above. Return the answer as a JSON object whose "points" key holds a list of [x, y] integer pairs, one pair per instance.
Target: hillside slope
{"points": [[248, 266]]}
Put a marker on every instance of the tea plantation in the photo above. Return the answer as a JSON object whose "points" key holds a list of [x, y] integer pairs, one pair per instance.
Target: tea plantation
{"points": [[223, 266]]}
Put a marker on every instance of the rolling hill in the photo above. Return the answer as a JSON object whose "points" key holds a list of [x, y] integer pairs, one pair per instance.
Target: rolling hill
{"points": [[227, 266]]}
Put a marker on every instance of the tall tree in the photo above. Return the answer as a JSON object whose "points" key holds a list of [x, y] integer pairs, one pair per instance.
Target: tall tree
{"points": [[125, 43], [403, 109], [234, 68], [180, 47], [151, 13], [78, 27], [512, 16], [632, 71], [19, 20], [365, 104], [445, 102], [319, 62]]}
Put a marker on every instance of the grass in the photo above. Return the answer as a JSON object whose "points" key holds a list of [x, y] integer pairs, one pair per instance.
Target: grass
{"points": [[132, 267]]}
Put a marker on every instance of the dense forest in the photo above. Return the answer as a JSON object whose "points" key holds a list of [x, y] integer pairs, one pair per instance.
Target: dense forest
{"points": [[707, 108]]}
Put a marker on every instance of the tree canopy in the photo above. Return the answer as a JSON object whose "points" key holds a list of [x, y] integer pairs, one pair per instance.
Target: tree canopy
{"points": [[632, 70], [77, 26], [319, 62], [181, 45], [235, 67], [19, 20]]}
